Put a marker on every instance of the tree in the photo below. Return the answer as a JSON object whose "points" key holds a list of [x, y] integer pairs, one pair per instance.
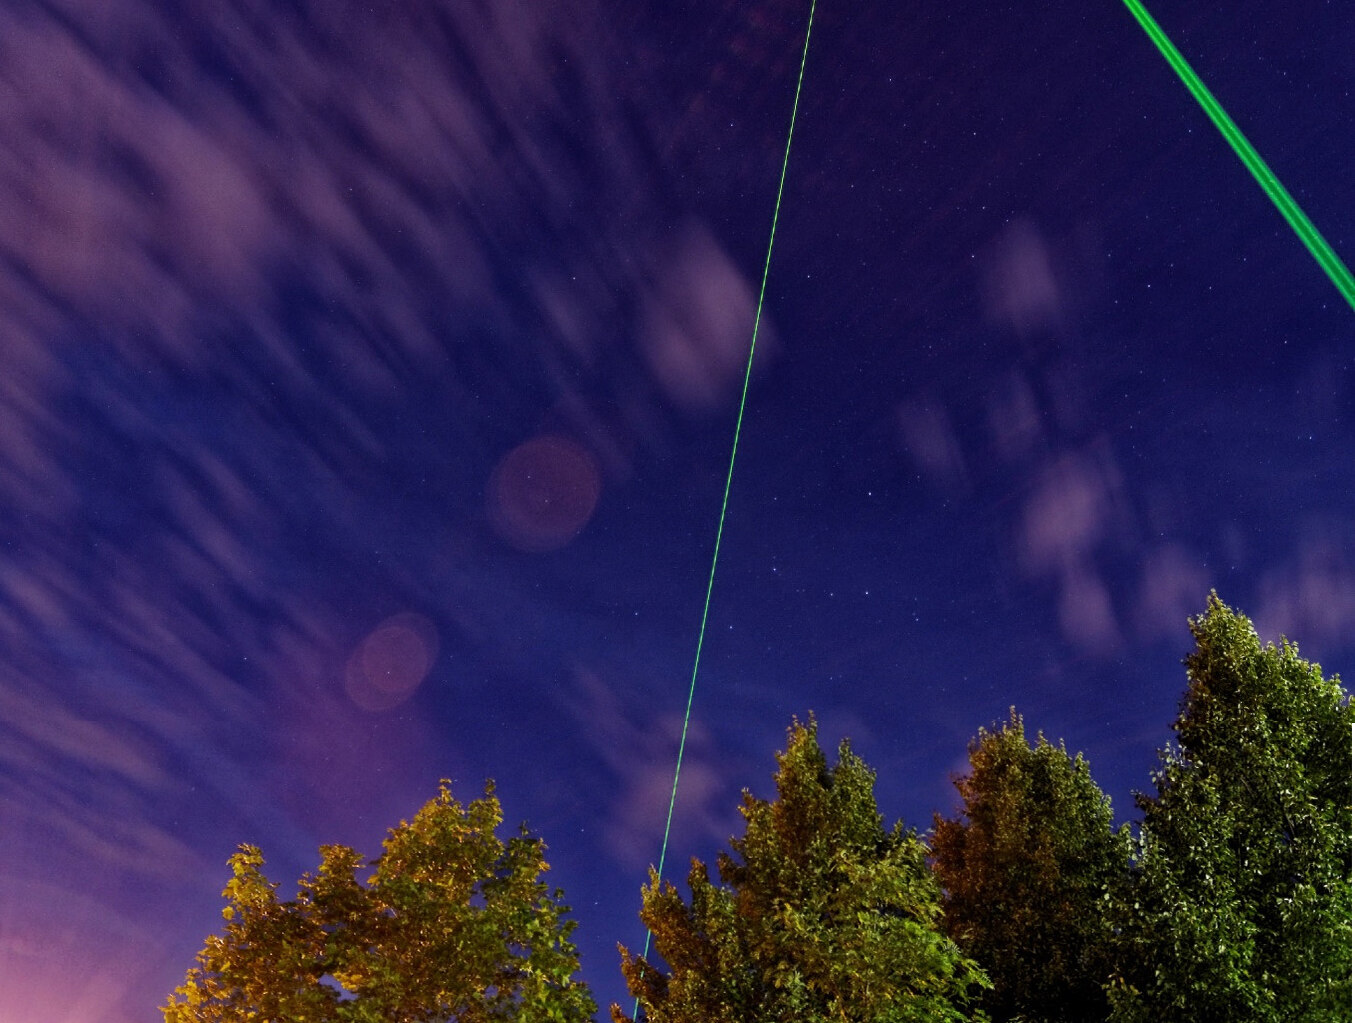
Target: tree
{"points": [[453, 924], [821, 915], [1026, 870], [1241, 897]]}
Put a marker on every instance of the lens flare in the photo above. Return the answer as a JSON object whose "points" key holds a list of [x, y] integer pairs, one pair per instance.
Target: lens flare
{"points": [[391, 662], [543, 493]]}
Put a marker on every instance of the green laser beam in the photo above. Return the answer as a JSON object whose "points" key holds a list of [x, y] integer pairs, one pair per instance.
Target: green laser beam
{"points": [[1303, 227], [733, 454]]}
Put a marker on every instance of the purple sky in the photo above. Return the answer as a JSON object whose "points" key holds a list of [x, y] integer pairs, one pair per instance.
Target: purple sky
{"points": [[370, 372]]}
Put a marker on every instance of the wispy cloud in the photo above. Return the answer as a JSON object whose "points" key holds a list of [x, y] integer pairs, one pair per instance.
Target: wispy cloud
{"points": [[641, 753], [1311, 597], [242, 250], [1073, 509], [697, 322], [1020, 286], [929, 437], [1172, 588]]}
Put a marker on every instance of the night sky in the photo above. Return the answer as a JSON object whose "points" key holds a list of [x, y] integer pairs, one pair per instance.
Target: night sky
{"points": [[370, 373]]}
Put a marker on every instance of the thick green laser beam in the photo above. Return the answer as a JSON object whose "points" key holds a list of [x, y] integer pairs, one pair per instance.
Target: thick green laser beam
{"points": [[733, 454], [1303, 227]]}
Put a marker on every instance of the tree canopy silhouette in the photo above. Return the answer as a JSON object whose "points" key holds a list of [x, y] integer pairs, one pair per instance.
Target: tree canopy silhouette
{"points": [[1029, 869], [1240, 907], [452, 924], [821, 915]]}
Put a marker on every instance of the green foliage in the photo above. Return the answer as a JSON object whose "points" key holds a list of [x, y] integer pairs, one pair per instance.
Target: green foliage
{"points": [[1232, 906], [1239, 908], [821, 915], [453, 924], [1027, 869]]}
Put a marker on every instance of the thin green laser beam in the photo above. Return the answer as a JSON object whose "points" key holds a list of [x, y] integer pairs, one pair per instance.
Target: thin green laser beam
{"points": [[733, 454], [1310, 236]]}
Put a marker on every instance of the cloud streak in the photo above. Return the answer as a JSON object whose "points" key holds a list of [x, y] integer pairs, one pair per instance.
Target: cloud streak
{"points": [[278, 285], [642, 754], [1072, 510]]}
